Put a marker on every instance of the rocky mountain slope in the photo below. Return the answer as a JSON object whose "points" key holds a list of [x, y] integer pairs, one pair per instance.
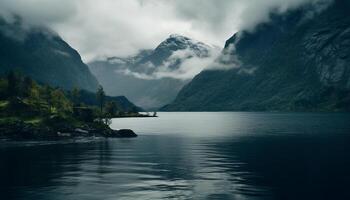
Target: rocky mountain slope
{"points": [[299, 61], [147, 78], [43, 55]]}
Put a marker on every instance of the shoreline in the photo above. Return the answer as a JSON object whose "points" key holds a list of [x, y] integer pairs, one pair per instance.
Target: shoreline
{"points": [[21, 130], [134, 117]]}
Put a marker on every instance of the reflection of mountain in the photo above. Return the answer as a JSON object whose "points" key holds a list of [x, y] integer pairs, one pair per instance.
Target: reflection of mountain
{"points": [[43, 55], [152, 78], [293, 63]]}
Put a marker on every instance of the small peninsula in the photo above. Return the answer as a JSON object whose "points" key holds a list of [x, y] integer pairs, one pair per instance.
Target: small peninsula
{"points": [[29, 110]]}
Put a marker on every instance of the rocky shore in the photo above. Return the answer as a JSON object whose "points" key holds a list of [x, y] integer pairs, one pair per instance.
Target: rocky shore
{"points": [[19, 130]]}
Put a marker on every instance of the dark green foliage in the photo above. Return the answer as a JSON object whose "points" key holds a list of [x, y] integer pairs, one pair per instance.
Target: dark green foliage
{"points": [[13, 84], [75, 95], [111, 109], [31, 103], [101, 97], [86, 114], [25, 97], [60, 102], [3, 89], [28, 85]]}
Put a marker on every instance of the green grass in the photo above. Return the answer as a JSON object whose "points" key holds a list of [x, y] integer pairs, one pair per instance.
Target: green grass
{"points": [[8, 119], [3, 104], [36, 120]]}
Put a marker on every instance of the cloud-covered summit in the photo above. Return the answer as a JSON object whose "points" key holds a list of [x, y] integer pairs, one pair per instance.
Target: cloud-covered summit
{"points": [[122, 27]]}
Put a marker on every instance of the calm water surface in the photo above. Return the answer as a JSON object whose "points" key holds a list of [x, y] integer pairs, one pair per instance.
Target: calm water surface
{"points": [[189, 156]]}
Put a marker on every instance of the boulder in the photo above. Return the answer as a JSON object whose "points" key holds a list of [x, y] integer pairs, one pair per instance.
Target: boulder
{"points": [[123, 133]]}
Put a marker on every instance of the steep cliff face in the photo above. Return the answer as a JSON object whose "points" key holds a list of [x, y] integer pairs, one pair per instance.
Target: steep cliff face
{"points": [[140, 77], [299, 61], [43, 55]]}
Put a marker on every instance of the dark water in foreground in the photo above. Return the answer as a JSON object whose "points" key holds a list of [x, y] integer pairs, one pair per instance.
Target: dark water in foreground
{"points": [[189, 156]]}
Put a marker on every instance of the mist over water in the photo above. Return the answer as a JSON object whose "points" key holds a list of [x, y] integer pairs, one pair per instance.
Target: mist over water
{"points": [[189, 156]]}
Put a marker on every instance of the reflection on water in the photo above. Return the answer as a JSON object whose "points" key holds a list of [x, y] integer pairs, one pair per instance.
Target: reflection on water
{"points": [[190, 156]]}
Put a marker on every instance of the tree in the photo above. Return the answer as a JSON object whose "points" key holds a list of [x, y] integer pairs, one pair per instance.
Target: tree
{"points": [[111, 108], [46, 95], [101, 96], [34, 97], [3, 89], [60, 102], [75, 94], [28, 84], [13, 84]]}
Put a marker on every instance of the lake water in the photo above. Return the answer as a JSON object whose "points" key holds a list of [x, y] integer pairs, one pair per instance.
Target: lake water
{"points": [[225, 155]]}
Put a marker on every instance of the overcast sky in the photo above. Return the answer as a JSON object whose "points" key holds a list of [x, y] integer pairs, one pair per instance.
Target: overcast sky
{"points": [[121, 27]]}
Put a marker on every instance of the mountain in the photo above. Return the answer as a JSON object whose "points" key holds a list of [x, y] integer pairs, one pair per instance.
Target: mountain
{"points": [[122, 102], [43, 55], [149, 78], [299, 61]]}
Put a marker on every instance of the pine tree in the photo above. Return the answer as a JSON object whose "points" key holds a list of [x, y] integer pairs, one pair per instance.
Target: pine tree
{"points": [[28, 84], [75, 95], [101, 96], [111, 108], [13, 84]]}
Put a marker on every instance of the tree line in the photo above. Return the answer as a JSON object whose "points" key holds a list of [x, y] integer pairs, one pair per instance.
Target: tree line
{"points": [[21, 95]]}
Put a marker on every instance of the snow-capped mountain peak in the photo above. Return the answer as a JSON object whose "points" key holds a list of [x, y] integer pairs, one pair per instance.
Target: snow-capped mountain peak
{"points": [[177, 42]]}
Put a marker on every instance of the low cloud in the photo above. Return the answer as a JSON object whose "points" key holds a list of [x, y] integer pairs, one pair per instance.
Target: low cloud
{"points": [[39, 12], [182, 64], [189, 64], [123, 27]]}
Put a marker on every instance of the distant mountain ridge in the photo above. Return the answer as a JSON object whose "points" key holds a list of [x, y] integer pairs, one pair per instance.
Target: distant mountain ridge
{"points": [[122, 102], [140, 77], [293, 63], [43, 55]]}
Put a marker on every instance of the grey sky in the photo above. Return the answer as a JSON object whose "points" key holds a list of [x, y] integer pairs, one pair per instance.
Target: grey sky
{"points": [[122, 27]]}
